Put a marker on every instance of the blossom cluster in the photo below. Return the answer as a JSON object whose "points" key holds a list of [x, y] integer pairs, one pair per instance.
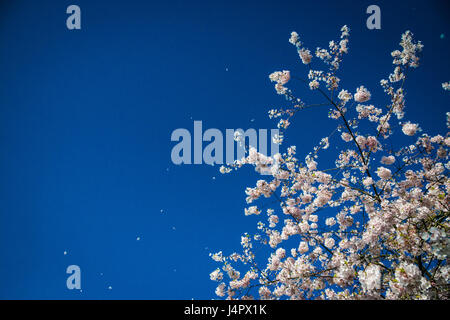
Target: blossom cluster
{"points": [[373, 224]]}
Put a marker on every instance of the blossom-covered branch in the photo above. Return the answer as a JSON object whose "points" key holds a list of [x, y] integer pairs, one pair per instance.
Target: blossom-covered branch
{"points": [[375, 224]]}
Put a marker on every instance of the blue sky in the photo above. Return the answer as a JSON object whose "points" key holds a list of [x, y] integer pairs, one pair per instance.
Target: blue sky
{"points": [[86, 118]]}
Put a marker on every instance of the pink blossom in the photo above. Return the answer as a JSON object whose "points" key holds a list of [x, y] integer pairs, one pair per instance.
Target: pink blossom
{"points": [[305, 55], [346, 137], [362, 94], [216, 275], [368, 181], [329, 243], [303, 247], [384, 173], [345, 96], [409, 128], [294, 39], [252, 210], [388, 160], [370, 278], [281, 77]]}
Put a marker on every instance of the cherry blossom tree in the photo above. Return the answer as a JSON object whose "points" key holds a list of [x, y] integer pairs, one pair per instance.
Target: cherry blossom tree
{"points": [[370, 224]]}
